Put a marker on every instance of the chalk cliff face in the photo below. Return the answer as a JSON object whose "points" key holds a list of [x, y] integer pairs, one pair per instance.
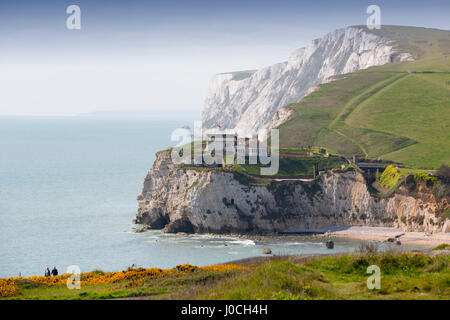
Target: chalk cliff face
{"points": [[248, 100], [177, 199]]}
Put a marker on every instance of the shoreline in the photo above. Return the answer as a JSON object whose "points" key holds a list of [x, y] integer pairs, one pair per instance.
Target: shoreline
{"points": [[383, 234], [380, 234]]}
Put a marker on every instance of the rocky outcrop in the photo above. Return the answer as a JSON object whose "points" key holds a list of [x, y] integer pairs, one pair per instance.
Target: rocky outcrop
{"points": [[281, 116], [247, 100], [178, 199]]}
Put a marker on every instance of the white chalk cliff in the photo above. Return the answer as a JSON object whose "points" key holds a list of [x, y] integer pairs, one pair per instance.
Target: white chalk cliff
{"points": [[179, 199], [247, 100]]}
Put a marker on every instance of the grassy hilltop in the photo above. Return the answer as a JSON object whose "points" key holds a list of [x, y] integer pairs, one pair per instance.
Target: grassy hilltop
{"points": [[398, 112]]}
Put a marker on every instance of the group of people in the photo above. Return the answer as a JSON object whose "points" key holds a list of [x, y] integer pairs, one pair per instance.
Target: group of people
{"points": [[53, 273]]}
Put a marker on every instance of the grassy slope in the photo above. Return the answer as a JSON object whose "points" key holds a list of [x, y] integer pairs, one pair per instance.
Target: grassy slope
{"points": [[403, 276], [416, 106], [345, 277], [370, 112]]}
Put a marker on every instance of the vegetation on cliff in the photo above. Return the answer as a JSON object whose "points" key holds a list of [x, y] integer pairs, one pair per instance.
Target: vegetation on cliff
{"points": [[390, 178]]}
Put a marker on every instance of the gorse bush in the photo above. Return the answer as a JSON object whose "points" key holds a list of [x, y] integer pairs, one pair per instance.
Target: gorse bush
{"points": [[390, 178], [9, 287], [186, 268], [419, 176]]}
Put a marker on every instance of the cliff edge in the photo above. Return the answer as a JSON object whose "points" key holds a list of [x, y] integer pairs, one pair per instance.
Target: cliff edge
{"points": [[182, 199]]}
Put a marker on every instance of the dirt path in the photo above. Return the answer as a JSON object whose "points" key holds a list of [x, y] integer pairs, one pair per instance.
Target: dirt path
{"points": [[366, 155], [294, 179]]}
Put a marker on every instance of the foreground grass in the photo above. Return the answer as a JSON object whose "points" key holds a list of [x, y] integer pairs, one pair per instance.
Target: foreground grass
{"points": [[149, 288], [403, 276]]}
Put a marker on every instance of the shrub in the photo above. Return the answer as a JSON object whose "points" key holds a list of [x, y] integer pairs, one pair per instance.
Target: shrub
{"points": [[223, 267], [440, 191], [390, 178], [443, 246], [360, 264], [186, 268], [352, 167], [419, 176], [439, 264], [237, 168], [444, 173], [367, 248], [9, 285], [8, 288], [446, 215], [410, 182], [99, 272]]}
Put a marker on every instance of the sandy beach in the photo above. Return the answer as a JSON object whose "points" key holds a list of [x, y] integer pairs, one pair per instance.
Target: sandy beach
{"points": [[383, 234]]}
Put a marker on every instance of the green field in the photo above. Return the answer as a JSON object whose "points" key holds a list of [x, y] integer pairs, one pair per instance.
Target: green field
{"points": [[416, 106], [292, 166], [398, 112], [295, 167]]}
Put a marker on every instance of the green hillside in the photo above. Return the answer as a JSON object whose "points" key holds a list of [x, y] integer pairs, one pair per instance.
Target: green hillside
{"points": [[398, 112]]}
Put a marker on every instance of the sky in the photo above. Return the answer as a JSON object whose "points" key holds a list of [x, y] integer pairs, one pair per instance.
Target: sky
{"points": [[160, 55]]}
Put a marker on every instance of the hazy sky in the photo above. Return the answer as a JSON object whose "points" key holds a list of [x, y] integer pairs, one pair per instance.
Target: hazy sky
{"points": [[137, 54]]}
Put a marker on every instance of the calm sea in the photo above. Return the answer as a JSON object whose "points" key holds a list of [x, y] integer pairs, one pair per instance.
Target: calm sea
{"points": [[68, 190]]}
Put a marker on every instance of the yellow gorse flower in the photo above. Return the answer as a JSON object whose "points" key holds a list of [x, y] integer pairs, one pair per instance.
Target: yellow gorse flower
{"points": [[8, 286]]}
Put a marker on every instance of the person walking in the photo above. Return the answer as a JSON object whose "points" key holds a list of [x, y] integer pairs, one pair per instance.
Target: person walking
{"points": [[47, 272], [54, 272]]}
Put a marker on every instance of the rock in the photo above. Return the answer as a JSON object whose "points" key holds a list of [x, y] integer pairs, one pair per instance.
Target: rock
{"points": [[267, 251], [399, 243], [446, 227], [140, 229], [183, 225], [281, 116], [329, 244], [390, 240]]}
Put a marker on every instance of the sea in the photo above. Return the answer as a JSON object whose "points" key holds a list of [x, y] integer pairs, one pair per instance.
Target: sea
{"points": [[68, 188]]}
